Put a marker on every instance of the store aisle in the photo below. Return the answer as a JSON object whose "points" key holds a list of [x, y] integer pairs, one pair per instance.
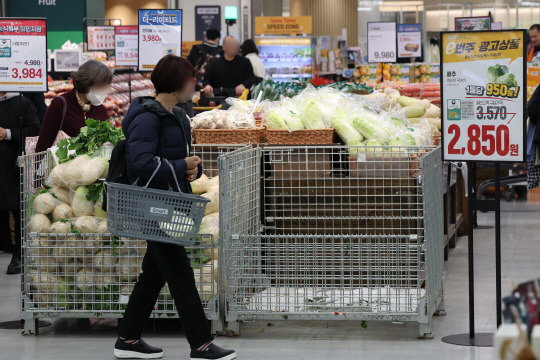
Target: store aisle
{"points": [[81, 340]]}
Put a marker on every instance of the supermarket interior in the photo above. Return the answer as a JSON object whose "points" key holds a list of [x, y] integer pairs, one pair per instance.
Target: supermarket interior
{"points": [[269, 179]]}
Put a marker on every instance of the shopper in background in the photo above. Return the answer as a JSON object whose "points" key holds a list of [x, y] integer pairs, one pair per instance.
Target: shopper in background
{"points": [[154, 127], [90, 88], [533, 51], [230, 71], [250, 51], [10, 142], [38, 99], [202, 55]]}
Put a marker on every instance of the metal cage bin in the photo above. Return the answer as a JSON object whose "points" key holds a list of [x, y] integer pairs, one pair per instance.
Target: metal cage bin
{"points": [[92, 275], [333, 233]]}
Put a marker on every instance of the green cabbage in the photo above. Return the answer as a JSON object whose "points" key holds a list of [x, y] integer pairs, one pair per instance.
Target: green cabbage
{"points": [[508, 80], [344, 127], [275, 120], [371, 127], [312, 116], [495, 71], [294, 122]]}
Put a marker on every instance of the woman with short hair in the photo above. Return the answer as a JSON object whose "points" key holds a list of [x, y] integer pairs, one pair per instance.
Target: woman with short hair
{"points": [[156, 128], [68, 112]]}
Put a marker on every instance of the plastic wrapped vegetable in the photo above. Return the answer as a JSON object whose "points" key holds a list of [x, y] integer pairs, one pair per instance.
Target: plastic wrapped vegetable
{"points": [[61, 194], [213, 205], [80, 204], [39, 223], [45, 203], [200, 185], [344, 127], [86, 224], [210, 225], [371, 127], [311, 115], [275, 119], [62, 211]]}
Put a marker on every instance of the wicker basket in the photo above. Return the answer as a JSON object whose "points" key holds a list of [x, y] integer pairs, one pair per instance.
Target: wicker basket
{"points": [[229, 136], [300, 137], [437, 140]]}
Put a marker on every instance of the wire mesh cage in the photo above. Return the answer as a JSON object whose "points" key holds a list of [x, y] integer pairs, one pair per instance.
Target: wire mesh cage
{"points": [[92, 275], [347, 233]]}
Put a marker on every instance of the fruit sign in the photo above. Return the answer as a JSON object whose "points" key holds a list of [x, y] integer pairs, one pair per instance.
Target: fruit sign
{"points": [[483, 101], [23, 54], [100, 38], [160, 34]]}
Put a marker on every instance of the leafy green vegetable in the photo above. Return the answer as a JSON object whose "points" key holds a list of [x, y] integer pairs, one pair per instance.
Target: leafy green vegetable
{"points": [[370, 126], [95, 191], [275, 120], [91, 137], [508, 80], [344, 127], [312, 115], [495, 71]]}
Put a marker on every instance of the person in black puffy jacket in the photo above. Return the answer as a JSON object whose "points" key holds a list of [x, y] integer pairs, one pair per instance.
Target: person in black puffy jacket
{"points": [[156, 127]]}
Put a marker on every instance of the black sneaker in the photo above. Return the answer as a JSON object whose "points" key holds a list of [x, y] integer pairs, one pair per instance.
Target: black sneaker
{"points": [[14, 266], [140, 350], [213, 352]]}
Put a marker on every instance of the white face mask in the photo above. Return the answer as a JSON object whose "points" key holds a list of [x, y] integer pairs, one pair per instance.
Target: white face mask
{"points": [[96, 97]]}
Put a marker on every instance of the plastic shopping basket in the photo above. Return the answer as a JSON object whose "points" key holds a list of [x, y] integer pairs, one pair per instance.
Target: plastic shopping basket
{"points": [[156, 215]]}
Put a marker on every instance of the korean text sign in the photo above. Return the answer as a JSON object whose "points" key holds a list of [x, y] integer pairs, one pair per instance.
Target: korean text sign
{"points": [[126, 50], [160, 34], [23, 54], [381, 42], [483, 96]]}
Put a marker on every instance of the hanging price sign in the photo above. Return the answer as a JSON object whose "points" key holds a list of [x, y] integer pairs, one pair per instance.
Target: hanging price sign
{"points": [[381, 42], [126, 50], [160, 34], [23, 54], [483, 87]]}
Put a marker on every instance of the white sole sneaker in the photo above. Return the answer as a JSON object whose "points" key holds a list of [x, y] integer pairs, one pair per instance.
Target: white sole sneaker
{"points": [[124, 354], [228, 357]]}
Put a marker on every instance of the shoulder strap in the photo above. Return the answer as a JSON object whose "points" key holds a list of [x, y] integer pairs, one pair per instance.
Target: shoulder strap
{"points": [[64, 111]]}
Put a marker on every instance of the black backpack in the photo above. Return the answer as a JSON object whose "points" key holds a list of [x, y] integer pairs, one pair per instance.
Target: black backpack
{"points": [[117, 169]]}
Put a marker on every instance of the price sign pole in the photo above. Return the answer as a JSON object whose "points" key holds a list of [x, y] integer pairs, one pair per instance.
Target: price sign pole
{"points": [[160, 34], [23, 67], [483, 79]]}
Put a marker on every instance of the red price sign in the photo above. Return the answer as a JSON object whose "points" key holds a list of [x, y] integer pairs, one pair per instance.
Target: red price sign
{"points": [[25, 73], [151, 38], [483, 104], [484, 140]]}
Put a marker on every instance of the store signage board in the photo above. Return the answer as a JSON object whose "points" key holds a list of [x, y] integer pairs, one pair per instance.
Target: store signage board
{"points": [[126, 45], [23, 54], [476, 23], [100, 38], [160, 34], [409, 37], [483, 83], [381, 42], [283, 25], [66, 60], [206, 17]]}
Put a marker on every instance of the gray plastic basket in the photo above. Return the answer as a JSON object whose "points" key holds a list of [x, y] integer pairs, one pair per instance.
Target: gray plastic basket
{"points": [[156, 215]]}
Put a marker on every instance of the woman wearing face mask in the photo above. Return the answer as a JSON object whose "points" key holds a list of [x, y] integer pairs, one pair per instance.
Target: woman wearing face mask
{"points": [[155, 127], [90, 87]]}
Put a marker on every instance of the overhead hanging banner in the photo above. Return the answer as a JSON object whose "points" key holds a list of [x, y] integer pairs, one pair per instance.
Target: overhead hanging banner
{"points": [[381, 42], [409, 37], [126, 47], [282, 25], [23, 54], [483, 84], [160, 34], [100, 38]]}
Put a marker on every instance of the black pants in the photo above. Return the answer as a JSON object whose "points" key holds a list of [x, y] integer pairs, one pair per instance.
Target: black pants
{"points": [[166, 262], [5, 232]]}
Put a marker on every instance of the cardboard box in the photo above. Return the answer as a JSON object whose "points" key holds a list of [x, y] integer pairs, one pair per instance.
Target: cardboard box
{"points": [[366, 73], [427, 73]]}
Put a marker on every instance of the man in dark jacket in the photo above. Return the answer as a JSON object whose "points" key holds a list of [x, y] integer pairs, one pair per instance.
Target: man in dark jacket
{"points": [[10, 142], [202, 55], [230, 71]]}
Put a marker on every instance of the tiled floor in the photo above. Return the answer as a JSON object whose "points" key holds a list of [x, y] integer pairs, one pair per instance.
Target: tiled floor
{"points": [[318, 340]]}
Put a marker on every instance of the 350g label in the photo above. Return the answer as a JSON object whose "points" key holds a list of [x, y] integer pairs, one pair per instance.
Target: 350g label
{"points": [[485, 139]]}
